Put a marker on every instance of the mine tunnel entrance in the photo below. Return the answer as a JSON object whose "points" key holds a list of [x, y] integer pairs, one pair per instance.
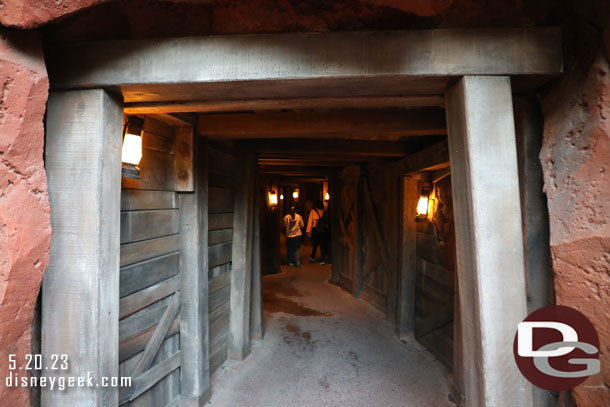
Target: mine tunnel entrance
{"points": [[175, 254]]}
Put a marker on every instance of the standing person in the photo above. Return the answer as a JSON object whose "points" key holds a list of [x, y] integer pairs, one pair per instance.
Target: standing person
{"points": [[317, 231], [293, 222]]}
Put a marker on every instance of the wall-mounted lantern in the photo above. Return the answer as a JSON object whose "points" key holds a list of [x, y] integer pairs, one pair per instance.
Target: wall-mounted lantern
{"points": [[326, 197], [272, 196], [295, 194], [131, 153], [423, 204], [281, 197]]}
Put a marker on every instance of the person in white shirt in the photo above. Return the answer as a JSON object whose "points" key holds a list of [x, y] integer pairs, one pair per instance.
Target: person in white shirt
{"points": [[293, 222], [317, 232]]}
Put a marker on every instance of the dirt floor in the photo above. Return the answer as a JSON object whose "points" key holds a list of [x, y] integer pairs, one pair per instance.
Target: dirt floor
{"points": [[322, 347]]}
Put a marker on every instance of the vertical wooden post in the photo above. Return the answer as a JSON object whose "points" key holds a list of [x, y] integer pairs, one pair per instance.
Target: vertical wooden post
{"points": [[408, 239], [256, 308], [80, 305], [535, 221], [194, 335], [241, 272], [335, 228], [356, 255], [393, 185], [489, 242]]}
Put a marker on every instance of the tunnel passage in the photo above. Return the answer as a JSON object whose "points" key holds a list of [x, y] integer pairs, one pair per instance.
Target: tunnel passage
{"points": [[361, 183]]}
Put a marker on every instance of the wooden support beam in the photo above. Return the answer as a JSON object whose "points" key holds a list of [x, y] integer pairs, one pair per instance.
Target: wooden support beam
{"points": [[430, 158], [194, 264], [330, 148], [183, 159], [305, 65], [256, 302], [241, 272], [408, 256], [80, 307], [344, 124], [336, 224], [356, 249], [488, 236], [222, 105]]}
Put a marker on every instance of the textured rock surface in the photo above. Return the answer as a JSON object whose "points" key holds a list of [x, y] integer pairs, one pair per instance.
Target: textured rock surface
{"points": [[576, 163], [25, 228]]}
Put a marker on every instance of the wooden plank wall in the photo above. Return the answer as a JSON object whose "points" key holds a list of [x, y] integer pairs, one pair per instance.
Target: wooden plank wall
{"points": [[149, 265], [380, 234], [221, 192], [435, 278]]}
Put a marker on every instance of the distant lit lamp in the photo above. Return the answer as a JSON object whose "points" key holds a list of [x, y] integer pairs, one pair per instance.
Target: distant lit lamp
{"points": [[295, 194], [272, 198], [131, 153], [282, 197], [326, 197], [422, 204]]}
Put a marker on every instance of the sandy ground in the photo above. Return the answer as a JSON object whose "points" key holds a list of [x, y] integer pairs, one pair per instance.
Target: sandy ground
{"points": [[322, 347]]}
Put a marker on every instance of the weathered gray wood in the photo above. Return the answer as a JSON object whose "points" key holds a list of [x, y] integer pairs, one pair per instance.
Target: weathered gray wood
{"points": [[142, 320], [488, 238], [422, 61], [371, 214], [374, 297], [219, 270], [183, 159], [220, 282], [241, 272], [220, 254], [143, 298], [349, 124], [220, 221], [220, 311], [80, 304], [435, 272], [158, 127], [143, 225], [138, 200], [221, 200], [156, 172], [155, 142], [149, 378], [218, 357], [222, 181], [221, 163], [220, 297], [194, 265], [220, 236], [219, 330], [153, 345], [133, 345], [431, 157], [358, 238], [354, 102], [335, 214], [147, 249], [256, 296], [535, 218], [149, 272], [439, 318]]}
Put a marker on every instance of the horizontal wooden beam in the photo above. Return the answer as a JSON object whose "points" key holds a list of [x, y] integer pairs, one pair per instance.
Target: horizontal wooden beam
{"points": [[433, 157], [304, 64], [344, 124], [330, 148], [353, 102]]}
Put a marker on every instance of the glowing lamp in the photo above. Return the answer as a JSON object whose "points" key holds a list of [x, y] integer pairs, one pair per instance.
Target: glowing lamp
{"points": [[272, 199], [422, 204], [131, 153], [326, 197], [282, 197], [295, 194]]}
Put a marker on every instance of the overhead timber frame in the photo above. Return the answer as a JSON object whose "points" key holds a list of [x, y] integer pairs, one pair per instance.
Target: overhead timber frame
{"points": [[472, 73]]}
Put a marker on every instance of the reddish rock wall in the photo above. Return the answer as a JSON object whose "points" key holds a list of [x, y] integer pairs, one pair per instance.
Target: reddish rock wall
{"points": [[576, 163], [25, 225]]}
